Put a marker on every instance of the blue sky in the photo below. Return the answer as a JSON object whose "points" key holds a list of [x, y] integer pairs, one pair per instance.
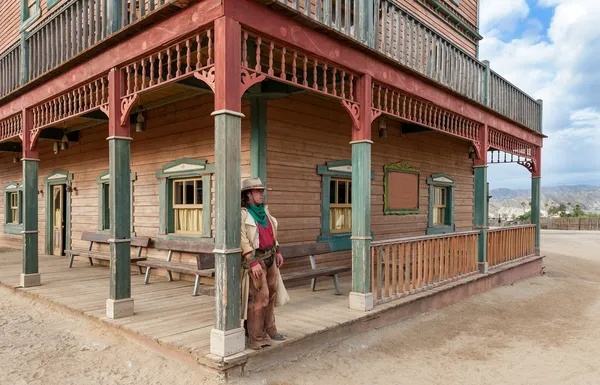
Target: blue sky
{"points": [[551, 50]]}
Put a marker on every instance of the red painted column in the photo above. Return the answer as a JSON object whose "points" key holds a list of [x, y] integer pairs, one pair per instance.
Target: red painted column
{"points": [[227, 337]]}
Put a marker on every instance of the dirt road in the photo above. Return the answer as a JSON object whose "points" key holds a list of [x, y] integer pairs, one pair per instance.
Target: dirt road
{"points": [[544, 330]]}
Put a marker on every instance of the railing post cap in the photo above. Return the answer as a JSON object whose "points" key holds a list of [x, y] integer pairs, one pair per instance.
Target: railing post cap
{"points": [[486, 63]]}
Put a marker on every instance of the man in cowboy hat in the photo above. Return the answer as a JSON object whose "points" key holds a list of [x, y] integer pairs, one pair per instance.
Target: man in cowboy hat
{"points": [[262, 287]]}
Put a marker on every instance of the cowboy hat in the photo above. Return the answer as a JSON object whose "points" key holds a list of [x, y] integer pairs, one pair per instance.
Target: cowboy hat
{"points": [[253, 184]]}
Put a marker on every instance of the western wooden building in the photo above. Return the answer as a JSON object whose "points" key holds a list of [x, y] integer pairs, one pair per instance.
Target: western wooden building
{"points": [[126, 127]]}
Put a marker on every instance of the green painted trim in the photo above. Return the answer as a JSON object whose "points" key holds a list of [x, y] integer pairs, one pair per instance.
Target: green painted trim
{"points": [[103, 210], [190, 168], [27, 20], [24, 60], [51, 3], [325, 204], [12, 187], [180, 237], [401, 167], [11, 228], [338, 242], [258, 139], [48, 183], [433, 181], [361, 217]]}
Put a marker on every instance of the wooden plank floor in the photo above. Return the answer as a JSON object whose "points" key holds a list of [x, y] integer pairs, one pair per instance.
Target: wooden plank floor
{"points": [[166, 311]]}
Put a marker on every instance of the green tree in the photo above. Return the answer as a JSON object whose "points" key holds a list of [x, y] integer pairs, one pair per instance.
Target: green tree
{"points": [[577, 211]]}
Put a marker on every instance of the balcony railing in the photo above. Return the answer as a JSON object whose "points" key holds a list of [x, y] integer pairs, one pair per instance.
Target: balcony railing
{"points": [[392, 31], [509, 243], [74, 28]]}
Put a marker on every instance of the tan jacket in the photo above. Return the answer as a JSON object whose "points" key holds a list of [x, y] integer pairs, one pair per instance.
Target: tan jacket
{"points": [[250, 243]]}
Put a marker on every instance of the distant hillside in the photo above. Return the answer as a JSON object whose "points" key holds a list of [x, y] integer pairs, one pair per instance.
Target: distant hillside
{"points": [[507, 202]]}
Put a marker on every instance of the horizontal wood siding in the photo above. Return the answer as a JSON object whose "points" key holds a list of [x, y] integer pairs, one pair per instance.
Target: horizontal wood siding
{"points": [[10, 19], [303, 132], [181, 130], [468, 9]]}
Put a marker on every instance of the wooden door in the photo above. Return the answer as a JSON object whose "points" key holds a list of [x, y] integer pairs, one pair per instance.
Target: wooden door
{"points": [[58, 223]]}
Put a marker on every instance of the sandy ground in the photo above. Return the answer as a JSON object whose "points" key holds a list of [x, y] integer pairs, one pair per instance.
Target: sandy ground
{"points": [[544, 330]]}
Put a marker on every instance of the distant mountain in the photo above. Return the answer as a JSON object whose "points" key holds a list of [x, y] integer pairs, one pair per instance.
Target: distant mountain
{"points": [[507, 202]]}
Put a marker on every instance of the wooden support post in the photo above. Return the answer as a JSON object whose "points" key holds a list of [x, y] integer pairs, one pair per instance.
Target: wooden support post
{"points": [[227, 337], [258, 140], [119, 304], [367, 31], [480, 215], [536, 179], [486, 83], [24, 60], [30, 275], [361, 297], [114, 16]]}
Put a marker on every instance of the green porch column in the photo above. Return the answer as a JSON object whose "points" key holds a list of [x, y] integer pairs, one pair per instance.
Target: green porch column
{"points": [[480, 217], [119, 303], [227, 337], [120, 227], [30, 275], [361, 297], [535, 209]]}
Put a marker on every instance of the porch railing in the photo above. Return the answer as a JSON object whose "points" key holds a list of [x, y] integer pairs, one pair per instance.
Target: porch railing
{"points": [[75, 27], [387, 28], [408, 265], [592, 223], [10, 62], [509, 243]]}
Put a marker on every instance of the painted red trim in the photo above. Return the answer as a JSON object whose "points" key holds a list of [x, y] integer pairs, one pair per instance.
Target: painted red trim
{"points": [[116, 125], [228, 65], [537, 165], [483, 145], [196, 17], [29, 145], [364, 95], [264, 20]]}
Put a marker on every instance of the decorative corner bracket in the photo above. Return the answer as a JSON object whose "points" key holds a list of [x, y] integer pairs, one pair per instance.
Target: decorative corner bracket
{"points": [[249, 79], [354, 111], [127, 104], [104, 109], [33, 136], [375, 114], [478, 150], [529, 164], [207, 76]]}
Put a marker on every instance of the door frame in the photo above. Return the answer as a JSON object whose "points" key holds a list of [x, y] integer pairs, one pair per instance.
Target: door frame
{"points": [[57, 177]]}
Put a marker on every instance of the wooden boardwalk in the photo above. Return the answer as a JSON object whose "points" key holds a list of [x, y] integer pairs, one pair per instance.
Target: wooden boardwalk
{"points": [[166, 311]]}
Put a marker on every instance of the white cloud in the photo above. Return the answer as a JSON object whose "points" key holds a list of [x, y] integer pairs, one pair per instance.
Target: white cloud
{"points": [[502, 16], [559, 66]]}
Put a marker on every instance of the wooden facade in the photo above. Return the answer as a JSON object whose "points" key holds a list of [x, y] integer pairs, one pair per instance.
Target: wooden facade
{"points": [[358, 149]]}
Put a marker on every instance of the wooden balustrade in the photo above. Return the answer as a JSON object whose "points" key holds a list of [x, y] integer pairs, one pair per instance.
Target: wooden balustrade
{"points": [[510, 243], [79, 25], [10, 65], [397, 34], [513, 103], [408, 265]]}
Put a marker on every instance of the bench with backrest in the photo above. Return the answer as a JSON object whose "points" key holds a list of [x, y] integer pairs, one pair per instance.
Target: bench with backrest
{"points": [[139, 242], [309, 251], [204, 267]]}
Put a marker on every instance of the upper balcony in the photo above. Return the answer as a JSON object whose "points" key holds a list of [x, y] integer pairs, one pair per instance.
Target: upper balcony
{"points": [[81, 28]]}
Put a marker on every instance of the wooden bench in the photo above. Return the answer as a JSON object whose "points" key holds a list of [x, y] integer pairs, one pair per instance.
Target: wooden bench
{"points": [[205, 261], [139, 242], [310, 250]]}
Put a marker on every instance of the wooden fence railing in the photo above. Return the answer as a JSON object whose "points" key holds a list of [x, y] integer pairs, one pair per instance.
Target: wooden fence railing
{"points": [[408, 265], [387, 28], [9, 69], [570, 223], [509, 243]]}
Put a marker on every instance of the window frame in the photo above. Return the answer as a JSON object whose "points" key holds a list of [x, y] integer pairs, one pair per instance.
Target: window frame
{"points": [[179, 170], [51, 3], [449, 183], [26, 18], [348, 204], [338, 169], [184, 206], [103, 181], [11, 227]]}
